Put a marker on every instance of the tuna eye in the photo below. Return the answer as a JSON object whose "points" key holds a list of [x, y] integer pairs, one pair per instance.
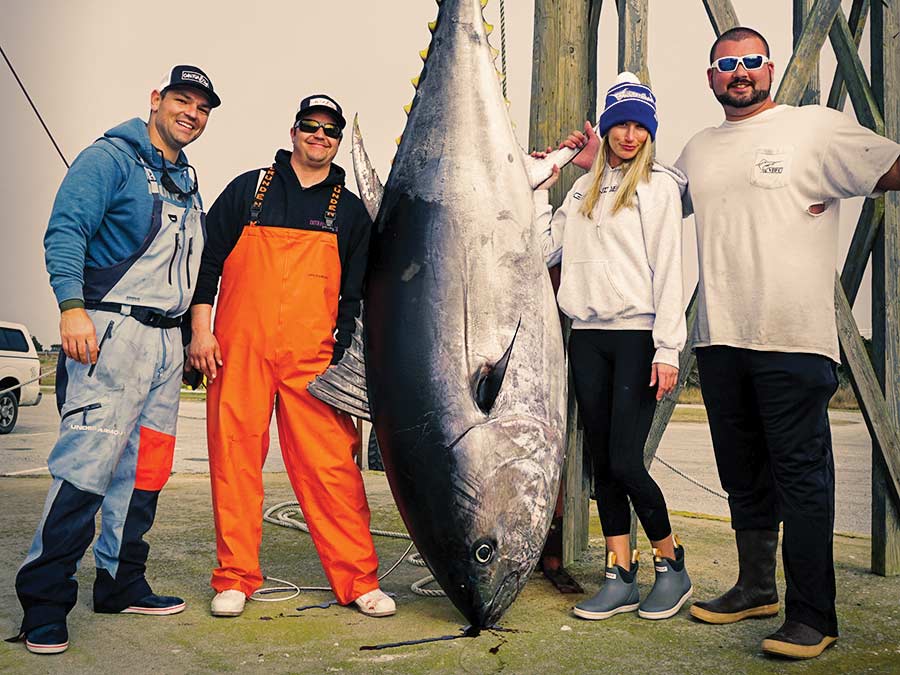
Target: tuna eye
{"points": [[484, 553]]}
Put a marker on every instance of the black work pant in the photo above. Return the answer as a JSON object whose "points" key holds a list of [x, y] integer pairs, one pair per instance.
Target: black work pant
{"points": [[611, 373], [768, 416]]}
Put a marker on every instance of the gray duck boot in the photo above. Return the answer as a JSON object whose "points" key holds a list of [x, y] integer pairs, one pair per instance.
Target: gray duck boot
{"points": [[671, 589], [618, 594]]}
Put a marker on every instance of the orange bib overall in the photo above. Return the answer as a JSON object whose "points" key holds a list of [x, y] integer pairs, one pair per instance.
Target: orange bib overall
{"points": [[275, 322]]}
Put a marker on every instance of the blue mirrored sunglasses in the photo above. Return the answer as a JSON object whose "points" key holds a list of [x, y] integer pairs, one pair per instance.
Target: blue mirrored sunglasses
{"points": [[728, 64]]}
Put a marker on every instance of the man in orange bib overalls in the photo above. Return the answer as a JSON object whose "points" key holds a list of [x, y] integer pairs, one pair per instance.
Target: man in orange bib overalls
{"points": [[290, 243]]}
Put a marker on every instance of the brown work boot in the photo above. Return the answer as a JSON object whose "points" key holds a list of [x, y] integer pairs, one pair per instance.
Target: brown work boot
{"points": [[796, 640], [754, 594]]}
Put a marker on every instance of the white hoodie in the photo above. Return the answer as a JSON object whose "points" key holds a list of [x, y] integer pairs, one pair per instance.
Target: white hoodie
{"points": [[622, 271]]}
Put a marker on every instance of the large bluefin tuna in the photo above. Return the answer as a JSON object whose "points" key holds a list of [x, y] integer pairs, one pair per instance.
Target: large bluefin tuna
{"points": [[464, 358]]}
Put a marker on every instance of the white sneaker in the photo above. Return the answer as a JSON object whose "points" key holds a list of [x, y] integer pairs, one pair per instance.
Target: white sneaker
{"points": [[228, 603], [376, 603]]}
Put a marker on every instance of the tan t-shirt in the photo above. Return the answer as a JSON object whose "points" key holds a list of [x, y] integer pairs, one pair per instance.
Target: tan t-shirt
{"points": [[766, 262]]}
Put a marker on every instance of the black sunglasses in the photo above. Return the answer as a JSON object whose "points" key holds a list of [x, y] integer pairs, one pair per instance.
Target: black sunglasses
{"points": [[171, 186], [308, 126]]}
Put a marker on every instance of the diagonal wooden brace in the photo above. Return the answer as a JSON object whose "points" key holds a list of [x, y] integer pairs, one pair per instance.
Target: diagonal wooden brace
{"points": [[868, 390]]}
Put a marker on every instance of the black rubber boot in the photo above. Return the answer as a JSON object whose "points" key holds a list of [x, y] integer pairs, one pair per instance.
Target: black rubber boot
{"points": [[795, 640], [754, 594]]}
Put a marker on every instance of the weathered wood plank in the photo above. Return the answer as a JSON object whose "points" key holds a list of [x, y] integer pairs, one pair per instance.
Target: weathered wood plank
{"points": [[886, 302], [837, 96], [666, 407], [800, 12], [875, 410], [633, 41], [864, 236], [576, 486], [721, 15], [854, 76], [563, 89], [806, 54], [563, 92]]}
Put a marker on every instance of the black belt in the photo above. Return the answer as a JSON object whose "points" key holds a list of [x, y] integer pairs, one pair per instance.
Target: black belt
{"points": [[144, 315]]}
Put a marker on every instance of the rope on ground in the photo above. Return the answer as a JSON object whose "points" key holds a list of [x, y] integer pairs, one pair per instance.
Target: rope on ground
{"points": [[691, 480], [289, 514]]}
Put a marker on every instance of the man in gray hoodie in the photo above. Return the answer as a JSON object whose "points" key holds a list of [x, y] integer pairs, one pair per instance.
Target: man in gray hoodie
{"points": [[122, 248]]}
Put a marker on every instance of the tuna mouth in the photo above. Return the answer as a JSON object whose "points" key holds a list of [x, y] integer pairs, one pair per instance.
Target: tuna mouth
{"points": [[502, 599]]}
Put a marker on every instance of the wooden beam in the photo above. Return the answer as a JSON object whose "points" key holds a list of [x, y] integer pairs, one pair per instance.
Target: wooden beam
{"points": [[864, 236], [806, 54], [857, 24], [564, 92], [800, 12], [576, 485], [886, 290], [633, 37], [666, 407], [563, 86], [721, 15], [879, 418], [854, 75]]}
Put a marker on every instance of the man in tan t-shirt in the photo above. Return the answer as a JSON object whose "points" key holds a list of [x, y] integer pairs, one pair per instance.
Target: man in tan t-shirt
{"points": [[765, 188]]}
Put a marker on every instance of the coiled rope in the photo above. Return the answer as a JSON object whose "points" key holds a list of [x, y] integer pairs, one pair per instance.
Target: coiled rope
{"points": [[288, 514]]}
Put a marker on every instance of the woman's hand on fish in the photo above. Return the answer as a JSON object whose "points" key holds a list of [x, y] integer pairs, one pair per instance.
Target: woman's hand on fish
{"points": [[588, 141]]}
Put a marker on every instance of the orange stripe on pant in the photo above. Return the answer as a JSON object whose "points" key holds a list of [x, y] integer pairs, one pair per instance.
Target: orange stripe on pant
{"points": [[274, 324]]}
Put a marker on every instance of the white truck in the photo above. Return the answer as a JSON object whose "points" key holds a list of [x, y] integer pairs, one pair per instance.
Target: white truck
{"points": [[19, 364]]}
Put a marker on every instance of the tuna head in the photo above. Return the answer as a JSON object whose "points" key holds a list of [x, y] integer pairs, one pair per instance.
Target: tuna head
{"points": [[503, 492], [464, 357]]}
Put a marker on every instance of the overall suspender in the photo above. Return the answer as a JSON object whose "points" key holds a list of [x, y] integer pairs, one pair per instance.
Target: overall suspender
{"points": [[262, 188]]}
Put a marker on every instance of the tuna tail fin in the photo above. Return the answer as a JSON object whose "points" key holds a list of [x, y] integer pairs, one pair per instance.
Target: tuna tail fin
{"points": [[371, 190], [490, 378], [539, 170], [343, 384]]}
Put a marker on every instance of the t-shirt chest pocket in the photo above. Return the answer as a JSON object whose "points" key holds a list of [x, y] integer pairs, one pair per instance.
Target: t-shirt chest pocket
{"points": [[771, 167]]}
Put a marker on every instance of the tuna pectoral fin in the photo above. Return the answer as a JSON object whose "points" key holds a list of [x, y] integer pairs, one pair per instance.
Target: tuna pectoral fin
{"points": [[370, 188], [489, 378], [343, 385]]}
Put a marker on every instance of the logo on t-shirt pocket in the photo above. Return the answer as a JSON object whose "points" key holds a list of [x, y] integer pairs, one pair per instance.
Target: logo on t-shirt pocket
{"points": [[771, 167]]}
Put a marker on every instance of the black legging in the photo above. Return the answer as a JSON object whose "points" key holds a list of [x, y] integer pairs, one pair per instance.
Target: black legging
{"points": [[611, 372]]}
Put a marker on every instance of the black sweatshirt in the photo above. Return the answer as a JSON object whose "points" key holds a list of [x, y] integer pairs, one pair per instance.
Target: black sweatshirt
{"points": [[288, 204]]}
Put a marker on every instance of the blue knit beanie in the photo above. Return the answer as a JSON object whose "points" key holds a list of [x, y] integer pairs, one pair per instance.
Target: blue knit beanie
{"points": [[629, 101]]}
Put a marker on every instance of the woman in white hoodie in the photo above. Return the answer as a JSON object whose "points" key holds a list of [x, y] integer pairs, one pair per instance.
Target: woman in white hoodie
{"points": [[618, 236]]}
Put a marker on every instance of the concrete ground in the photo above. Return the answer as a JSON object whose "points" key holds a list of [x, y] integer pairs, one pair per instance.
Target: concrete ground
{"points": [[685, 446], [543, 636]]}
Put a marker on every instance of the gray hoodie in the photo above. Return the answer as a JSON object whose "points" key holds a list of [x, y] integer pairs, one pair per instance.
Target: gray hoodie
{"points": [[620, 271]]}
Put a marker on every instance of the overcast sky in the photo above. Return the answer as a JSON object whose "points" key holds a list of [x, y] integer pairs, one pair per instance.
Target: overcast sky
{"points": [[91, 64]]}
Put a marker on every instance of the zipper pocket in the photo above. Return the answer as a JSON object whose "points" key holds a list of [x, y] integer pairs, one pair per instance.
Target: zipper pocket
{"points": [[107, 333], [187, 265], [85, 409], [172, 261]]}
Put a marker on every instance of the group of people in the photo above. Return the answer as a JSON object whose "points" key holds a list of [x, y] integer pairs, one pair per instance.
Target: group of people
{"points": [[131, 254], [765, 189]]}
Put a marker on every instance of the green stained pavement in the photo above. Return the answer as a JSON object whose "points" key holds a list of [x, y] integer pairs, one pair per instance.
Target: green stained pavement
{"points": [[544, 637]]}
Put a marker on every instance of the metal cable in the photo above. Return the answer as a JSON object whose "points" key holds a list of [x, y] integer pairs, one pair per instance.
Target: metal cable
{"points": [[691, 480], [19, 386], [34, 107], [503, 45]]}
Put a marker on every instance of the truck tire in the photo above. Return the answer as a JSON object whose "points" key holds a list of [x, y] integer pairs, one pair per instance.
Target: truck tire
{"points": [[9, 412]]}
